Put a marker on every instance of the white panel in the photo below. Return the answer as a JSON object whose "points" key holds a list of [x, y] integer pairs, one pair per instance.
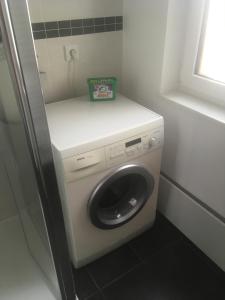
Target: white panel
{"points": [[84, 164], [206, 231], [194, 154]]}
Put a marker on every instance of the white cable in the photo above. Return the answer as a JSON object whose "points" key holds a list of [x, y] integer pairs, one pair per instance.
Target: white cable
{"points": [[72, 70], [73, 53]]}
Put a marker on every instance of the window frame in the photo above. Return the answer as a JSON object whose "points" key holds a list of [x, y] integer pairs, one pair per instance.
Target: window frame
{"points": [[190, 82]]}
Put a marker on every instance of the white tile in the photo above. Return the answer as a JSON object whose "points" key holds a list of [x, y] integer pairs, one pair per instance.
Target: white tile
{"points": [[99, 55], [20, 277], [35, 10]]}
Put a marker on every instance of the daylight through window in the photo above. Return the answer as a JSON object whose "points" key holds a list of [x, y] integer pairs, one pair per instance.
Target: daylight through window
{"points": [[211, 58]]}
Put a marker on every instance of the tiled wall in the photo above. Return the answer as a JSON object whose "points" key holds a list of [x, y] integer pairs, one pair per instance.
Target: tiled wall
{"points": [[93, 26], [99, 55], [63, 28]]}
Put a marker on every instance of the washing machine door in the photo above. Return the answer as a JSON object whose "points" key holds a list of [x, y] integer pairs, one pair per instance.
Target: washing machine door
{"points": [[118, 198]]}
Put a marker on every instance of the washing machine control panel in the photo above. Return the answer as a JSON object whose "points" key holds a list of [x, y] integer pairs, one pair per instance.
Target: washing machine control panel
{"points": [[91, 162], [134, 146]]}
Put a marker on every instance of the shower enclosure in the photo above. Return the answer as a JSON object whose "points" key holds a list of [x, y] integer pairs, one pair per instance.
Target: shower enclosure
{"points": [[34, 260]]}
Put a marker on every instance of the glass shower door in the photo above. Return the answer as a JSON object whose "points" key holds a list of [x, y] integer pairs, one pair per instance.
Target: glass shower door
{"points": [[25, 154]]}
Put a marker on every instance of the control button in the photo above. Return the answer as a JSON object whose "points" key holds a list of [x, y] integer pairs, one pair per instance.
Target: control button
{"points": [[139, 147], [152, 142]]}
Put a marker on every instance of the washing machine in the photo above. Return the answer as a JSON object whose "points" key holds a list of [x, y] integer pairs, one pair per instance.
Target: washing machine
{"points": [[107, 157]]}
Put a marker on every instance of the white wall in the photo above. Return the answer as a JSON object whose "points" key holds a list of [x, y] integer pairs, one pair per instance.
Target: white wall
{"points": [[143, 46], [55, 10], [99, 54], [194, 153]]}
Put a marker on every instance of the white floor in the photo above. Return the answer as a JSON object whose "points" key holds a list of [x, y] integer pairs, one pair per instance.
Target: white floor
{"points": [[20, 278]]}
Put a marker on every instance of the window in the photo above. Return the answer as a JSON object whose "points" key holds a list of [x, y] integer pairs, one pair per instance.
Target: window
{"points": [[211, 54], [203, 69]]}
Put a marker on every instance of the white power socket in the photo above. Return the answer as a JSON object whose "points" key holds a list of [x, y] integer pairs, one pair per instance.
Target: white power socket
{"points": [[71, 52]]}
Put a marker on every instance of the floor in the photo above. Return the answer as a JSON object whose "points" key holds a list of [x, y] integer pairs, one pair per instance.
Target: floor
{"points": [[161, 264], [20, 278]]}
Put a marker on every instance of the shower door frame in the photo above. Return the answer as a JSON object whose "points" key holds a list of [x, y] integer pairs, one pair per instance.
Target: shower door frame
{"points": [[19, 44]]}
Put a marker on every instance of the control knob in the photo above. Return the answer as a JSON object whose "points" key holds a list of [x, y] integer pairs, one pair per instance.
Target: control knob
{"points": [[153, 141]]}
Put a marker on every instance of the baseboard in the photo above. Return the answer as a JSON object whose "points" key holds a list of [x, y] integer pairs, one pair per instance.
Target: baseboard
{"points": [[204, 229]]}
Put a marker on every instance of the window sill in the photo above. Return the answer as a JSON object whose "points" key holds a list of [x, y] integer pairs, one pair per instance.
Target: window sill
{"points": [[203, 107]]}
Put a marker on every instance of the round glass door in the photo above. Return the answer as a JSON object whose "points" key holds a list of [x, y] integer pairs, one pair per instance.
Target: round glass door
{"points": [[120, 196]]}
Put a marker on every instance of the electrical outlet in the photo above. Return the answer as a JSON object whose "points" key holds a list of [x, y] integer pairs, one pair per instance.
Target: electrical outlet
{"points": [[71, 52]]}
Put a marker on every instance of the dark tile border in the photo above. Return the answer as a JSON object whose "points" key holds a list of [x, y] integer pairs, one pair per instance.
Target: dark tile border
{"points": [[43, 30]]}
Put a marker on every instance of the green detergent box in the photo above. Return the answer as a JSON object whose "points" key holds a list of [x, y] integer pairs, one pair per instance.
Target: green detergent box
{"points": [[102, 88]]}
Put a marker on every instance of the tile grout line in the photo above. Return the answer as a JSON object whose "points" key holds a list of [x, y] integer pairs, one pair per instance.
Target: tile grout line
{"points": [[142, 262], [122, 275], [42, 32], [95, 283], [104, 22], [169, 245], [95, 293], [179, 240], [135, 253], [76, 27], [200, 255], [82, 33]]}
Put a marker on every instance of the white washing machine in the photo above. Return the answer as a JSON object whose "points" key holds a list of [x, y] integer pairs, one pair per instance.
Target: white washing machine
{"points": [[107, 157]]}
